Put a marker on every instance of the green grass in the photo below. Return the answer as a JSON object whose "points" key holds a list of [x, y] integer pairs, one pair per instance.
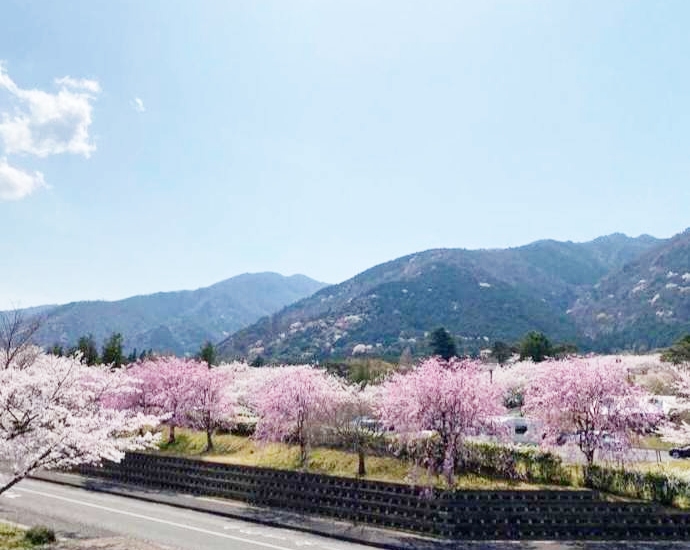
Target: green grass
{"points": [[232, 449], [12, 537], [653, 442]]}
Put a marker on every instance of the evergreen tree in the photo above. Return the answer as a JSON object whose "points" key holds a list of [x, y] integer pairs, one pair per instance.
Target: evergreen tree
{"points": [[57, 349], [442, 343], [112, 350], [535, 345], [679, 352], [86, 345], [501, 352], [207, 354]]}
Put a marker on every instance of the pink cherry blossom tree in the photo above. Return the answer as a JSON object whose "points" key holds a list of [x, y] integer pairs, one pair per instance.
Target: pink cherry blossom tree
{"points": [[55, 413], [295, 403], [209, 401], [452, 400], [592, 397], [163, 387], [353, 419]]}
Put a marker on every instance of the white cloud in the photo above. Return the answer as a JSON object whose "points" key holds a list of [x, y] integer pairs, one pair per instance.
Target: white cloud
{"points": [[16, 184], [138, 105], [79, 84], [45, 123]]}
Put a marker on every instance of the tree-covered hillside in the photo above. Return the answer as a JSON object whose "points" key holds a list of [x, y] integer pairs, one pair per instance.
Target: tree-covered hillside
{"points": [[478, 295], [177, 322]]}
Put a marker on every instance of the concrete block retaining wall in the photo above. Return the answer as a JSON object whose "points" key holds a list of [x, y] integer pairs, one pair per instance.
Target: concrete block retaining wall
{"points": [[540, 514]]}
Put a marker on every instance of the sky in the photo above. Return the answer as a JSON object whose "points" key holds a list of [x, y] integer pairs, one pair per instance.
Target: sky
{"points": [[168, 144]]}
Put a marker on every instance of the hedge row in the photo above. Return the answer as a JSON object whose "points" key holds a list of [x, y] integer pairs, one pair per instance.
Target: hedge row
{"points": [[658, 487]]}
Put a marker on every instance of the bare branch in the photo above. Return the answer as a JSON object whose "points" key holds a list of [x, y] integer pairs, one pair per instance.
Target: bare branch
{"points": [[16, 338]]}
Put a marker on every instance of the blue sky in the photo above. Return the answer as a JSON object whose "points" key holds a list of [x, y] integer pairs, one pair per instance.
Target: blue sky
{"points": [[193, 141]]}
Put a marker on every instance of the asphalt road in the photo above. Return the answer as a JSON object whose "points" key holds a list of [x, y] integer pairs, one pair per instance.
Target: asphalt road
{"points": [[83, 514], [79, 513]]}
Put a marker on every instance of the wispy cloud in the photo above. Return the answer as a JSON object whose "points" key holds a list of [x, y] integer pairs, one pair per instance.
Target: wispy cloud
{"points": [[44, 123], [138, 105], [16, 184]]}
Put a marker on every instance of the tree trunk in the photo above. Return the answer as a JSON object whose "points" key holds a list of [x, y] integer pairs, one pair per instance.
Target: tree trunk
{"points": [[303, 453], [361, 457], [209, 440], [171, 434]]}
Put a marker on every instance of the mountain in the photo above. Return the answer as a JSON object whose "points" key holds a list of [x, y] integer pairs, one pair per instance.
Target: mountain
{"points": [[644, 304], [177, 322], [478, 295]]}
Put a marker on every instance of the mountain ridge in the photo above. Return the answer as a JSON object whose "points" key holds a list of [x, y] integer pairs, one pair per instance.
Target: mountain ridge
{"points": [[174, 321], [479, 295]]}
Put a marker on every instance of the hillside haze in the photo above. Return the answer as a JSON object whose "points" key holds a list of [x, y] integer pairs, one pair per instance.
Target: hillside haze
{"points": [[479, 295], [177, 322]]}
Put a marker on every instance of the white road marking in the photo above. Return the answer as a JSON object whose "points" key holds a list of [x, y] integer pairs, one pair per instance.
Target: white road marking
{"points": [[11, 494], [156, 520]]}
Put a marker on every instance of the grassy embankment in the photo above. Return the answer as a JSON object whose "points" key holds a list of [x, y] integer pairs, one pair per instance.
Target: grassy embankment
{"points": [[232, 449], [12, 537]]}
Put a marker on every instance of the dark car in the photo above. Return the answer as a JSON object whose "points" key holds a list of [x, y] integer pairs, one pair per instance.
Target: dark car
{"points": [[680, 452]]}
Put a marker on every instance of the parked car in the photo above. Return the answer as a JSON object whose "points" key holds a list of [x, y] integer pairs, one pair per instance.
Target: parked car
{"points": [[680, 452]]}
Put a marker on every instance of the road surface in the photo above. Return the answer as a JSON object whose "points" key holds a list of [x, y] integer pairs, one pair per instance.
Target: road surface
{"points": [[83, 514], [79, 513]]}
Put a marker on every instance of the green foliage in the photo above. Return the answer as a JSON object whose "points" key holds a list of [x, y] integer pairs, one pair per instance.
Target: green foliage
{"points": [[57, 349], [532, 465], [535, 345], [258, 361], [86, 345], [442, 343], [679, 352], [360, 370], [207, 354], [501, 352], [655, 486], [490, 459], [564, 350], [39, 534], [112, 350]]}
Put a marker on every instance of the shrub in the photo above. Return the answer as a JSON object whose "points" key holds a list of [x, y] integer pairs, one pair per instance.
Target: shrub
{"points": [[244, 429], [656, 486], [491, 459], [510, 462], [39, 534]]}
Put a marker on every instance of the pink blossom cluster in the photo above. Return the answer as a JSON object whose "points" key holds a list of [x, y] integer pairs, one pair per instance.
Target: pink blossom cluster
{"points": [[594, 399], [451, 400], [184, 392]]}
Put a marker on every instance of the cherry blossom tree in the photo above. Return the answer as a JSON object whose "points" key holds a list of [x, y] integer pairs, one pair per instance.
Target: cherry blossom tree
{"points": [[294, 403], [55, 413], [163, 387], [209, 401], [353, 418], [593, 397], [453, 400]]}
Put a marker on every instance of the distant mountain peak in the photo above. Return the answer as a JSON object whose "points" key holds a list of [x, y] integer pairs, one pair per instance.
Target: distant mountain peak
{"points": [[177, 321]]}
